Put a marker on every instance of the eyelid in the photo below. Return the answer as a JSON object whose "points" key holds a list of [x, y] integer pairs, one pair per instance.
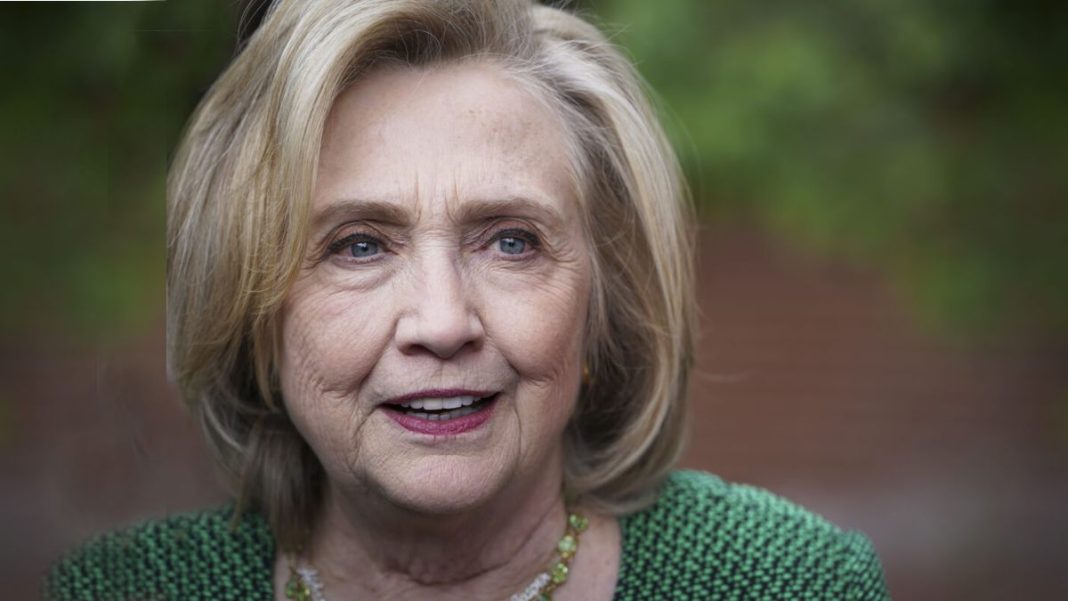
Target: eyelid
{"points": [[529, 236], [334, 243], [350, 239], [514, 232], [347, 234]]}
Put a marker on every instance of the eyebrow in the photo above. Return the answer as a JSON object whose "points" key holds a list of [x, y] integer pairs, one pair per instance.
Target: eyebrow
{"points": [[360, 210], [469, 211], [515, 206]]}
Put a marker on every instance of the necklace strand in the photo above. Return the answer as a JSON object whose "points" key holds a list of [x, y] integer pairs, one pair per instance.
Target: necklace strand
{"points": [[304, 583]]}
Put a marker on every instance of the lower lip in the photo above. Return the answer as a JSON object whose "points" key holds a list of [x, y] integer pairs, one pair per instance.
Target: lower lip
{"points": [[448, 427]]}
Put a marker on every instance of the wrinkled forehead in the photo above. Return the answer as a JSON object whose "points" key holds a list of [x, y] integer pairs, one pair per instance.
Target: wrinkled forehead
{"points": [[431, 137]]}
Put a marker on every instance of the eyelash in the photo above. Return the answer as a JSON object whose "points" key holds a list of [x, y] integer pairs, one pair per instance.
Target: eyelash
{"points": [[518, 233], [337, 246]]}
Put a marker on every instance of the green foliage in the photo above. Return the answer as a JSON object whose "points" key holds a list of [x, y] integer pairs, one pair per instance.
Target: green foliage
{"points": [[97, 95], [924, 138]]}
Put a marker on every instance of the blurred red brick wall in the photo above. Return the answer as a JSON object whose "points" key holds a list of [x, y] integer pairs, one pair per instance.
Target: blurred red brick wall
{"points": [[811, 381]]}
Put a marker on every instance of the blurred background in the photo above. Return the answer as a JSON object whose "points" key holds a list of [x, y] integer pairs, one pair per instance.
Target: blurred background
{"points": [[882, 268]]}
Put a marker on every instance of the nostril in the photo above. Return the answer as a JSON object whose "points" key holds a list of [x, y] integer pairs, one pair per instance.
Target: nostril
{"points": [[438, 310], [443, 333]]}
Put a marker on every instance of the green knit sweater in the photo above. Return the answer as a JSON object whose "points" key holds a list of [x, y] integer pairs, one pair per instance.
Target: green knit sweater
{"points": [[703, 539]]}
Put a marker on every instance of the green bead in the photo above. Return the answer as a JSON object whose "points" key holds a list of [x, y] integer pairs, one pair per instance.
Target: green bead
{"points": [[545, 597], [559, 573], [567, 545], [297, 590], [578, 522]]}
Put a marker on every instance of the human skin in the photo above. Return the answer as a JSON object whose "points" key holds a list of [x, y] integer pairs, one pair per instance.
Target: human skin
{"points": [[446, 252]]}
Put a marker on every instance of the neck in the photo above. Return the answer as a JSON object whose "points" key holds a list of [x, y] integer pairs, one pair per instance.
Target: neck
{"points": [[365, 546]]}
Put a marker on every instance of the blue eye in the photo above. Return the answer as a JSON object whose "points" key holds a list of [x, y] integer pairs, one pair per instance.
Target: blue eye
{"points": [[362, 249], [512, 246], [516, 242]]}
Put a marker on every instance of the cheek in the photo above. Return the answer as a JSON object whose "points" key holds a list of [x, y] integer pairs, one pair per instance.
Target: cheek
{"points": [[329, 345], [540, 327]]}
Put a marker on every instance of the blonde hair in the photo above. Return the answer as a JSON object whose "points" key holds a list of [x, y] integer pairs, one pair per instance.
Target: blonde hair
{"points": [[238, 198]]}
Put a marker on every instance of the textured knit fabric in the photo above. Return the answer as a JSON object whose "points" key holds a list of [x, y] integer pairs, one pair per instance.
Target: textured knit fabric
{"points": [[706, 539], [703, 539]]}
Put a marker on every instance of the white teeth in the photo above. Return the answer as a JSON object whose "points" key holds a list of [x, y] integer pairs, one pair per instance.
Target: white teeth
{"points": [[439, 404], [453, 409], [462, 412]]}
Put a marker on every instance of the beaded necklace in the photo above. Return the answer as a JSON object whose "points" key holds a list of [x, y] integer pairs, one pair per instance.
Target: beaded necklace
{"points": [[304, 583]]}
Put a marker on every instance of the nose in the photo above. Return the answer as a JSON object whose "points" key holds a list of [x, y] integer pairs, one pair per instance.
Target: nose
{"points": [[438, 316]]}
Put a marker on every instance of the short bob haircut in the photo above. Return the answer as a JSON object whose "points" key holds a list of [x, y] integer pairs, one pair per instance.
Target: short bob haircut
{"points": [[239, 192]]}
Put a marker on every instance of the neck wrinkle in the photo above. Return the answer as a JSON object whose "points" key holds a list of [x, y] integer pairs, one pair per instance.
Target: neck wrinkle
{"points": [[507, 544]]}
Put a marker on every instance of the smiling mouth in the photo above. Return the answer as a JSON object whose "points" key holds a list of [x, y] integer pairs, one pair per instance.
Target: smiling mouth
{"points": [[442, 409]]}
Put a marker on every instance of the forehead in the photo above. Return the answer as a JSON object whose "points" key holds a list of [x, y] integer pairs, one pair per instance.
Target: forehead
{"points": [[442, 133]]}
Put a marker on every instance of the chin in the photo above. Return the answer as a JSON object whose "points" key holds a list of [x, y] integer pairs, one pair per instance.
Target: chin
{"points": [[445, 485]]}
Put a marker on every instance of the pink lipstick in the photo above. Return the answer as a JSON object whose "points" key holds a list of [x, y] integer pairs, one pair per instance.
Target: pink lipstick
{"points": [[441, 412]]}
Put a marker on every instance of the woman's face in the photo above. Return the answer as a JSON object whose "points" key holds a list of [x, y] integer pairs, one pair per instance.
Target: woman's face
{"points": [[432, 346]]}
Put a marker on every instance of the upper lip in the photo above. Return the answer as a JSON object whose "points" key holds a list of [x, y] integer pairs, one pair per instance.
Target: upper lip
{"points": [[438, 393]]}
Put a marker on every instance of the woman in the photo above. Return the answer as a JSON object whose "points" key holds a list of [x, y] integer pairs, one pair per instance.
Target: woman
{"points": [[430, 297]]}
